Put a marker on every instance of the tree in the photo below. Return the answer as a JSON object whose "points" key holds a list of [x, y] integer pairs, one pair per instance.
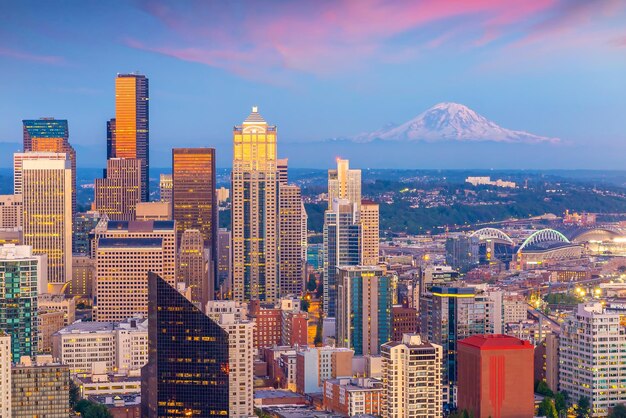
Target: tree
{"points": [[618, 411], [547, 409], [304, 305], [96, 410], [74, 394], [81, 406], [583, 408], [560, 401], [543, 389]]}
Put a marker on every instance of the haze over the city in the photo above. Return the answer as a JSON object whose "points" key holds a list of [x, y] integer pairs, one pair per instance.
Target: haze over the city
{"points": [[326, 73]]}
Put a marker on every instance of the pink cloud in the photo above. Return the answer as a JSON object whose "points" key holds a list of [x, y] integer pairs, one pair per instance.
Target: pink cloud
{"points": [[25, 56], [325, 37]]}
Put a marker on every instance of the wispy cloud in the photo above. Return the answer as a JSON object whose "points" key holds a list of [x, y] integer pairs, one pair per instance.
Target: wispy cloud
{"points": [[26, 56], [249, 38]]}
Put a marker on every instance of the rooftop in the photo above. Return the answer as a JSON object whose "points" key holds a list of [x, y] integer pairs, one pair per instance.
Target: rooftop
{"points": [[496, 342], [130, 242]]}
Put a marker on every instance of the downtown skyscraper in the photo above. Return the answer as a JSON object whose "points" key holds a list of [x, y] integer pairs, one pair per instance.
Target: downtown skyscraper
{"points": [[47, 211], [188, 358], [128, 135], [194, 201], [51, 135], [255, 210]]}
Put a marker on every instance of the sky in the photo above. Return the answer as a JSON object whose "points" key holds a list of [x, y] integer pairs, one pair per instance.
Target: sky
{"points": [[326, 69]]}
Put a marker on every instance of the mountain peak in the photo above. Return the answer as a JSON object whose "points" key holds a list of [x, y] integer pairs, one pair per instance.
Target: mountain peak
{"points": [[449, 121]]}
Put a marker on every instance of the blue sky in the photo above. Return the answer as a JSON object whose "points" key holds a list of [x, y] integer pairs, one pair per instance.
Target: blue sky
{"points": [[323, 69]]}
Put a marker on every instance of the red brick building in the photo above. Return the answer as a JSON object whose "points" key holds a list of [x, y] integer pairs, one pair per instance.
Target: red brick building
{"points": [[268, 325], [403, 321], [495, 376], [353, 396]]}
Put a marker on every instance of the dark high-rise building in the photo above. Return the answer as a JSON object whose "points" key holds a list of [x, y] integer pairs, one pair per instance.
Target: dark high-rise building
{"points": [[194, 203], [51, 135], [188, 358], [130, 134], [341, 247], [462, 252], [110, 138]]}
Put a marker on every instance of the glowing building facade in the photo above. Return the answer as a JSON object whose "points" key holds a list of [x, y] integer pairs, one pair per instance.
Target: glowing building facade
{"points": [[255, 210], [47, 216], [131, 132]]}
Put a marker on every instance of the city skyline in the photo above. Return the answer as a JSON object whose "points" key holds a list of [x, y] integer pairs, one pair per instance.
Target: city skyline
{"points": [[520, 65]]}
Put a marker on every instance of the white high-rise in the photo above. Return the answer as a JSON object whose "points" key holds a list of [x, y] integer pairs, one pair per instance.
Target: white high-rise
{"points": [[230, 315], [592, 350], [47, 213], [411, 372]]}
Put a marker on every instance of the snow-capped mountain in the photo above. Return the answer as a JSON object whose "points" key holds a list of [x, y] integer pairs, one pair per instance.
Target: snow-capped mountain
{"points": [[451, 122]]}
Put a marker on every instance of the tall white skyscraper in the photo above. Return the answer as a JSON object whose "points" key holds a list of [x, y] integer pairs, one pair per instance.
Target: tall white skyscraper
{"points": [[47, 213]]}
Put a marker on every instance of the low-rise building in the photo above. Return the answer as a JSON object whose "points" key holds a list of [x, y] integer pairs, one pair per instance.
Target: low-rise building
{"points": [[122, 347], [353, 396]]}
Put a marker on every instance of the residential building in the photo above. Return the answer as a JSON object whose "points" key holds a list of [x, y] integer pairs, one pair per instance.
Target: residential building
{"points": [[18, 304], [40, 388], [370, 233], [131, 129], [254, 211], [341, 247], [496, 377], [118, 193], [411, 376], [11, 211], [47, 216], [229, 315], [364, 304], [344, 183], [177, 329], [353, 397], [591, 345], [314, 365]]}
